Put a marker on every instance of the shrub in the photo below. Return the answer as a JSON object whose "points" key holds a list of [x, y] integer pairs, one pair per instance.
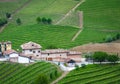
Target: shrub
{"points": [[3, 21], [38, 20], [41, 79], [18, 21], [99, 56], [117, 36], [108, 39], [44, 20], [49, 21], [113, 58], [8, 15]]}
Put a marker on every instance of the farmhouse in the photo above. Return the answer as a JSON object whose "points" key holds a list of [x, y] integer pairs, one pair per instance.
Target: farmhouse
{"points": [[4, 46], [13, 56], [33, 51]]}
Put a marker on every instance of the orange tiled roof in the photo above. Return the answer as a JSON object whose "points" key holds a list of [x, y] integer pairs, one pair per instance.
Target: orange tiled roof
{"points": [[9, 52], [30, 45]]}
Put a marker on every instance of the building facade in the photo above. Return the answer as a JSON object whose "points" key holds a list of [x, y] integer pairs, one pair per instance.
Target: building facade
{"points": [[4, 46]]}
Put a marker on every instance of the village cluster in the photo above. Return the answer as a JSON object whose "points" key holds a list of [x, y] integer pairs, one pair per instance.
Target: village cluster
{"points": [[32, 51]]}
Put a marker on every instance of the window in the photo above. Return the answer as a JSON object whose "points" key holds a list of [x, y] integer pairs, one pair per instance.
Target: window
{"points": [[48, 54], [30, 50], [37, 55], [38, 51], [33, 51]]}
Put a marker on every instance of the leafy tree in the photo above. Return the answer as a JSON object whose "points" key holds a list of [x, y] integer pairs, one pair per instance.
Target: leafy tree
{"points": [[108, 38], [49, 21], [38, 20], [113, 58], [8, 15], [44, 20], [118, 36], [3, 21], [18, 21], [99, 56], [41, 79]]}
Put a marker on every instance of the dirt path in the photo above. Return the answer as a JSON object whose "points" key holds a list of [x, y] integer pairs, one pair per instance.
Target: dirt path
{"points": [[63, 75], [77, 34], [105, 47], [67, 14], [16, 11], [80, 25]]}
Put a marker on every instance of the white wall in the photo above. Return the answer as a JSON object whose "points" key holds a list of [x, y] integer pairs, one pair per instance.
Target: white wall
{"points": [[37, 53], [64, 55], [23, 59], [13, 55]]}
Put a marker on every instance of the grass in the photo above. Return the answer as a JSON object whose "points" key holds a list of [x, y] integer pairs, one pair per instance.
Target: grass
{"points": [[10, 6], [101, 19], [59, 36], [17, 73], [93, 74], [101, 14], [54, 9]]}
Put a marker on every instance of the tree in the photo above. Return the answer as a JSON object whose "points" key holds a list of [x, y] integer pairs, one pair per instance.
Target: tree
{"points": [[44, 20], [49, 21], [108, 38], [18, 21], [3, 21], [41, 79], [8, 15], [38, 20], [99, 56], [118, 36], [113, 58]]}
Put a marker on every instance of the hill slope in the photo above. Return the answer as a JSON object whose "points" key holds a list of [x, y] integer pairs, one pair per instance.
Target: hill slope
{"points": [[94, 74], [12, 73]]}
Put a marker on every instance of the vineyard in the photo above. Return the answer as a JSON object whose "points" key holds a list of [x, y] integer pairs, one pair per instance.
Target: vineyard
{"points": [[94, 74], [13, 73], [100, 20]]}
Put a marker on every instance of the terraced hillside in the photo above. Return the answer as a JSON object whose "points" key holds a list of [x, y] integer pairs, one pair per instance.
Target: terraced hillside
{"points": [[94, 74], [10, 6], [101, 19], [13, 73]]}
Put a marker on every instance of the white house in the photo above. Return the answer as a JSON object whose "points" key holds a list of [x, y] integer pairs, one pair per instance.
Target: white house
{"points": [[32, 50], [13, 56]]}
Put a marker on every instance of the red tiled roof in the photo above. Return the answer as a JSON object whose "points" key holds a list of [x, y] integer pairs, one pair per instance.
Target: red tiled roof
{"points": [[31, 45], [55, 51], [9, 52]]}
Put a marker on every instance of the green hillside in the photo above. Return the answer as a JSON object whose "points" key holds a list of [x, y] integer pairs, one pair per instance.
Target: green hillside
{"points": [[101, 19], [13, 73], [9, 6], [58, 36], [94, 74]]}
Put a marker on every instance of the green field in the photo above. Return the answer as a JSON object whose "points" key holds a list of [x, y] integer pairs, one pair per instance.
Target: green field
{"points": [[54, 9], [58, 36], [101, 19], [10, 6], [94, 74], [13, 73]]}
